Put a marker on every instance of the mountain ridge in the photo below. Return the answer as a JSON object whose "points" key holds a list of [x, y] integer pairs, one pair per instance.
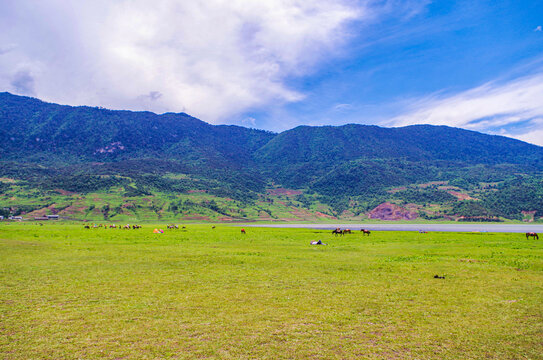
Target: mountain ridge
{"points": [[338, 169]]}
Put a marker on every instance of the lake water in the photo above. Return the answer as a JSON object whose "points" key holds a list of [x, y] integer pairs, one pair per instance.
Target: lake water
{"points": [[479, 227]]}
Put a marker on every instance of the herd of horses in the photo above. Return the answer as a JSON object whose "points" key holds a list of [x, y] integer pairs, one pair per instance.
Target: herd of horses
{"points": [[338, 231], [113, 226]]}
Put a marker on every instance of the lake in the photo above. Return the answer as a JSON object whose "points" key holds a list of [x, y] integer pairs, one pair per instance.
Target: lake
{"points": [[478, 227]]}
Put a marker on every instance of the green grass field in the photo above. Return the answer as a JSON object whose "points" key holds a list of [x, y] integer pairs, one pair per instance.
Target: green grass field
{"points": [[71, 293]]}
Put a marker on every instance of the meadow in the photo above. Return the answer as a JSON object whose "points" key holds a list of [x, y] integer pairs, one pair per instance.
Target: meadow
{"points": [[73, 293]]}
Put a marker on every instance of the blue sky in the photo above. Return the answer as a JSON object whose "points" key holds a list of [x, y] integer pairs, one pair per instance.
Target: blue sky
{"points": [[278, 64]]}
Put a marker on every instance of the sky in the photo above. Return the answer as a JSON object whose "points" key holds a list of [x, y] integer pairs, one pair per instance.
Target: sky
{"points": [[278, 64]]}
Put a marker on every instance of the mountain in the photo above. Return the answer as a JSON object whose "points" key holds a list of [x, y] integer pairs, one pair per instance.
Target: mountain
{"points": [[33, 130], [416, 142], [55, 156]]}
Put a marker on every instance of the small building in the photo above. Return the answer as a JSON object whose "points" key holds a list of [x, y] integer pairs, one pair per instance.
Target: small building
{"points": [[1, 217], [52, 217], [41, 218]]}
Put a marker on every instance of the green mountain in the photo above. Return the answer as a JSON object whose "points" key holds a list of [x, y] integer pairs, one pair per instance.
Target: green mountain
{"points": [[93, 163]]}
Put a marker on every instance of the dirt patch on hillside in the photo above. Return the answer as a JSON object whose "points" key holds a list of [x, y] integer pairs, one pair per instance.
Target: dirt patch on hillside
{"points": [[398, 189], [461, 196], [326, 216], [262, 215], [389, 211], [38, 213], [529, 216], [195, 191], [7, 180], [432, 183], [302, 214], [74, 209], [282, 191], [43, 211]]}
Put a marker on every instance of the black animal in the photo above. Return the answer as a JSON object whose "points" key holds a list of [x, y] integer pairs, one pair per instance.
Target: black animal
{"points": [[337, 232], [532, 234], [365, 232]]}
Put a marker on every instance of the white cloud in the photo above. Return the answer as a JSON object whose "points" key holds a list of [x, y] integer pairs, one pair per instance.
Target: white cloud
{"points": [[514, 109], [538, 28], [249, 121], [210, 58], [343, 107]]}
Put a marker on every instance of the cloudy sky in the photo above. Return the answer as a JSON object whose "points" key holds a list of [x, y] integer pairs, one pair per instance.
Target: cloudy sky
{"points": [[277, 64]]}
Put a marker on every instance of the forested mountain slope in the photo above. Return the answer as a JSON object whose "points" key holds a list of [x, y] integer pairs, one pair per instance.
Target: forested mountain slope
{"points": [[53, 154], [36, 131]]}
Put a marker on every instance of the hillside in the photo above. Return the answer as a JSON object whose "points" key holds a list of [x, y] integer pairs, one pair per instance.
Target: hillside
{"points": [[93, 163]]}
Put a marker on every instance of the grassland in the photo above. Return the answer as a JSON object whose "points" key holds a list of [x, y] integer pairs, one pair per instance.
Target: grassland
{"points": [[69, 293]]}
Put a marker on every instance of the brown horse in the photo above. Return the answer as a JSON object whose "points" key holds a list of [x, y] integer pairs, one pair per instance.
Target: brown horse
{"points": [[337, 232], [243, 231], [346, 231], [532, 234], [365, 232]]}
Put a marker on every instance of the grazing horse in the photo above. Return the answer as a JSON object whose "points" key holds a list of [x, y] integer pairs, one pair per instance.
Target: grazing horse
{"points": [[337, 232], [365, 232], [243, 231], [532, 234], [347, 231]]}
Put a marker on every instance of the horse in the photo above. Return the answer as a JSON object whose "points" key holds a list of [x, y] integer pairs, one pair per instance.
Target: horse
{"points": [[337, 232], [532, 234], [347, 231], [365, 232], [243, 231]]}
